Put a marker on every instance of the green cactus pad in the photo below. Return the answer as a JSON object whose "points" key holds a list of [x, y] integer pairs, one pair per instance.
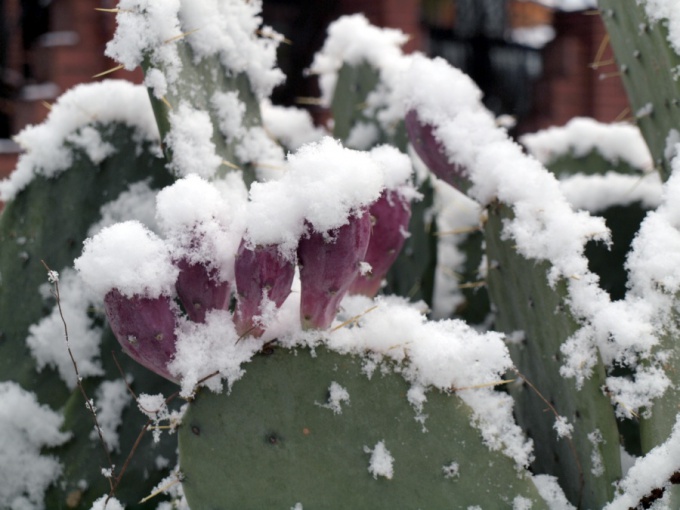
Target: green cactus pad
{"points": [[271, 443], [349, 107], [649, 69], [525, 302], [197, 83], [48, 221]]}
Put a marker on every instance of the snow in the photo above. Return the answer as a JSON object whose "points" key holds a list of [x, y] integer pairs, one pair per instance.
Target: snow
{"points": [[457, 216], [190, 141], [451, 470], [213, 347], [652, 471], [445, 354], [229, 29], [198, 224], [128, 257], [337, 395], [563, 427], [581, 135], [46, 339], [552, 493], [107, 502], [597, 465], [293, 127], [230, 111], [568, 5], [111, 399], [27, 427], [667, 12], [596, 193], [226, 29], [71, 119], [323, 184], [135, 203], [352, 40], [381, 462]]}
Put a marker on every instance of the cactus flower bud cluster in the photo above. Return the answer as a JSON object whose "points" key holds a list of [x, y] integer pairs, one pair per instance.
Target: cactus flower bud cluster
{"points": [[339, 215]]}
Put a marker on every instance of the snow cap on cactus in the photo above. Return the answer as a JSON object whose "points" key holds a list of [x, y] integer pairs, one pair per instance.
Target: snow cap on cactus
{"points": [[199, 224], [323, 184], [397, 170], [228, 29], [130, 258], [353, 40]]}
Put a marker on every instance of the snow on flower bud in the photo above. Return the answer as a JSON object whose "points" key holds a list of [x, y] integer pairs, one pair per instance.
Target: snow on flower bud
{"points": [[329, 263], [131, 268], [263, 276], [198, 224], [390, 216], [432, 152]]}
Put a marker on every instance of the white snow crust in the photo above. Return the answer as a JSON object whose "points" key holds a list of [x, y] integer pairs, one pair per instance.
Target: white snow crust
{"points": [[649, 472], [70, 120], [582, 135], [199, 225], [381, 462], [668, 12], [352, 40], [27, 427], [293, 127], [130, 258], [46, 339], [111, 399], [226, 29]]}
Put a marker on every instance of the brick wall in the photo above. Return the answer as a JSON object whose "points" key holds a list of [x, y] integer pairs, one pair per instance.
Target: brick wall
{"points": [[573, 84], [569, 87]]}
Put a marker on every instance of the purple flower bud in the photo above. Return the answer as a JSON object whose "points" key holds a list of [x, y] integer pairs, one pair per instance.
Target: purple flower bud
{"points": [[262, 274], [433, 154], [200, 290], [329, 263], [145, 328], [390, 216]]}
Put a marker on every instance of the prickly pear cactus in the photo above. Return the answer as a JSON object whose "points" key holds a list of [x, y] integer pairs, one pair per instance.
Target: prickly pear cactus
{"points": [[47, 221], [648, 63], [305, 427], [251, 281]]}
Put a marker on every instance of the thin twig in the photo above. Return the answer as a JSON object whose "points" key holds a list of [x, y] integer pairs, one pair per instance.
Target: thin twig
{"points": [[122, 374], [54, 279]]}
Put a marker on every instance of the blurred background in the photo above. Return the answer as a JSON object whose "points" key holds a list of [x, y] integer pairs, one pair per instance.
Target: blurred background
{"points": [[540, 64]]}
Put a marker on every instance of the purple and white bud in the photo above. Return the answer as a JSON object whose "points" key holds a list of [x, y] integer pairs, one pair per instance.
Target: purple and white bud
{"points": [[199, 227], [145, 328], [433, 153], [131, 268], [201, 290], [329, 262], [263, 275], [390, 216]]}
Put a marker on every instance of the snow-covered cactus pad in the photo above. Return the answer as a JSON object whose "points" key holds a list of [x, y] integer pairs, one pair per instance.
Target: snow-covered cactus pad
{"points": [[236, 282]]}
